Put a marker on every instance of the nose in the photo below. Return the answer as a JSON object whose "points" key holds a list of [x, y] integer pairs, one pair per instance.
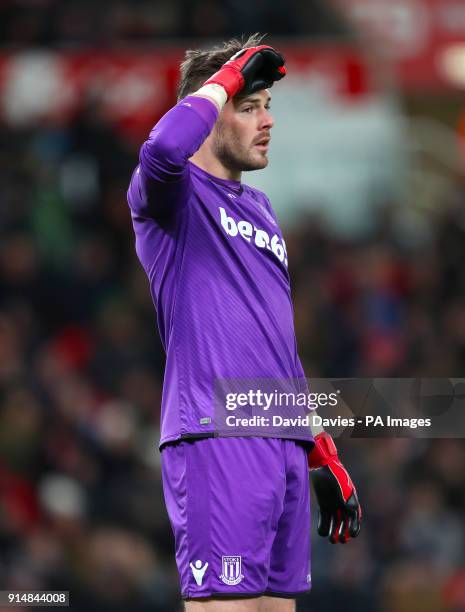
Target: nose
{"points": [[266, 120]]}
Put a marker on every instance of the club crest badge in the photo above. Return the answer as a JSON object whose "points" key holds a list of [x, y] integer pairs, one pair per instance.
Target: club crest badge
{"points": [[232, 567]]}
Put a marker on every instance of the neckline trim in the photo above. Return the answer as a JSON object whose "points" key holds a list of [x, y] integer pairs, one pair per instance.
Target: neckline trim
{"points": [[230, 183]]}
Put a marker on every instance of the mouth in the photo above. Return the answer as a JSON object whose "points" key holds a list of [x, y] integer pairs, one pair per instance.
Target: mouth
{"points": [[263, 144]]}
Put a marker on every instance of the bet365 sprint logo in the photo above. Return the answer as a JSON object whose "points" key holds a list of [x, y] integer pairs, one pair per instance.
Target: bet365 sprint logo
{"points": [[250, 233]]}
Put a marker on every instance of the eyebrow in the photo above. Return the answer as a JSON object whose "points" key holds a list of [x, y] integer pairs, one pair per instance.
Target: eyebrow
{"points": [[254, 100]]}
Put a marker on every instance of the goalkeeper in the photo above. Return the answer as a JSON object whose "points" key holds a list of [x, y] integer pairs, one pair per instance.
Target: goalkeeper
{"points": [[216, 262]]}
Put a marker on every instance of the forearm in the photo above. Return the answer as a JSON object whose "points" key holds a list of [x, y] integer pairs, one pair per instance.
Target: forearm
{"points": [[176, 137]]}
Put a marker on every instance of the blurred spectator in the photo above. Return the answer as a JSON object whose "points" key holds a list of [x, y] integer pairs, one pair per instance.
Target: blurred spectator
{"points": [[52, 22]]}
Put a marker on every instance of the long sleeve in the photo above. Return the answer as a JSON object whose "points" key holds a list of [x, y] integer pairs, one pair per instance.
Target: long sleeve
{"points": [[160, 185]]}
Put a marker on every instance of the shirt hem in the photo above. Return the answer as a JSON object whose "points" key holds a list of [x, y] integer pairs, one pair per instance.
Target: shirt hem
{"points": [[215, 434]]}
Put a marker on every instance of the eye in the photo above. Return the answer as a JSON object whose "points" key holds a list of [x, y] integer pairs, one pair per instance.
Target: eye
{"points": [[247, 109]]}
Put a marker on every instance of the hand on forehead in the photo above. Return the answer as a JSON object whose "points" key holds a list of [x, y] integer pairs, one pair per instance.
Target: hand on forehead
{"points": [[259, 96]]}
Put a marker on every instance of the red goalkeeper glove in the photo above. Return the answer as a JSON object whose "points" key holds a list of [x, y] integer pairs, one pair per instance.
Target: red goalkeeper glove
{"points": [[250, 70], [340, 512]]}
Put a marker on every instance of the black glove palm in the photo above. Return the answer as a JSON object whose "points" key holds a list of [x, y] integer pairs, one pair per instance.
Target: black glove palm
{"points": [[263, 68], [339, 515], [250, 70], [340, 512]]}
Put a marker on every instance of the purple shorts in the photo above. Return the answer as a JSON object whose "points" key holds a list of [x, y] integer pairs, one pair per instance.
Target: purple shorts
{"points": [[240, 513]]}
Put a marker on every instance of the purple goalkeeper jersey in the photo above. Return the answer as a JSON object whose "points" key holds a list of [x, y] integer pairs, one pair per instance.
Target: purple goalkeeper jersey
{"points": [[217, 266]]}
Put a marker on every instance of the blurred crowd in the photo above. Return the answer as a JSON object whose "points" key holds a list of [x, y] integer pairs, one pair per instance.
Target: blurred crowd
{"points": [[81, 503], [73, 22]]}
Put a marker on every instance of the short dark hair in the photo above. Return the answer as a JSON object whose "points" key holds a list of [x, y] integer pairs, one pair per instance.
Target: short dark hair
{"points": [[200, 64]]}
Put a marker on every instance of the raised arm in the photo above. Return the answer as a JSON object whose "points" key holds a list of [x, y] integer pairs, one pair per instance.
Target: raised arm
{"points": [[160, 184]]}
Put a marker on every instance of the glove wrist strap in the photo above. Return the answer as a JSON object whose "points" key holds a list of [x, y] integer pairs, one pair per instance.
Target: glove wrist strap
{"points": [[215, 92], [229, 78], [323, 452]]}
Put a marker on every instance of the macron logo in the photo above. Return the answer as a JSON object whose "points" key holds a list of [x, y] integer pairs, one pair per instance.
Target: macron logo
{"points": [[198, 571], [250, 233]]}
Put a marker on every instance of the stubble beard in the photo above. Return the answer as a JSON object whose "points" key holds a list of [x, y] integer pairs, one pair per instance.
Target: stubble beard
{"points": [[233, 155]]}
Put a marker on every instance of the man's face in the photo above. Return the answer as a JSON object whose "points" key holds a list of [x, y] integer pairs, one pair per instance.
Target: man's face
{"points": [[241, 136]]}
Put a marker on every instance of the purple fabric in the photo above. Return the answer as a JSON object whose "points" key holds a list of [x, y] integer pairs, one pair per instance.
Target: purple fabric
{"points": [[242, 506], [217, 267]]}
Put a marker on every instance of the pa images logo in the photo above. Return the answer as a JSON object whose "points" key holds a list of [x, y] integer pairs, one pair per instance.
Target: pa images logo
{"points": [[232, 566]]}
